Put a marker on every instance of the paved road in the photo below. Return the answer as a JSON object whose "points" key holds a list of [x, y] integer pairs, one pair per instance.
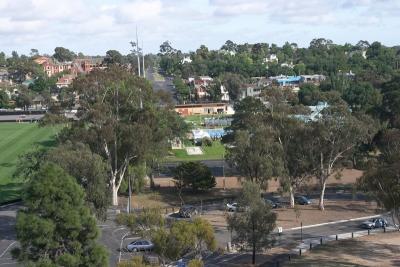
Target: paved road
{"points": [[165, 85], [217, 167], [14, 118], [289, 239], [7, 234]]}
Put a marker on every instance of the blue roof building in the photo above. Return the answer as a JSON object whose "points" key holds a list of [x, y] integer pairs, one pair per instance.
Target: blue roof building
{"points": [[289, 80], [316, 112]]}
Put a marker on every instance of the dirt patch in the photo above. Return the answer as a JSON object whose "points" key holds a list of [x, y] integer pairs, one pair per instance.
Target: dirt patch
{"points": [[375, 250], [348, 176], [167, 197], [310, 214]]}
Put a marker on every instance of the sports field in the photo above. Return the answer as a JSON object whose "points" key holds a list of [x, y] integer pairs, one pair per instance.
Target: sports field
{"points": [[16, 139]]}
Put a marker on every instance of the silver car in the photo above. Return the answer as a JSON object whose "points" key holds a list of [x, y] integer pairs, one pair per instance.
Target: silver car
{"points": [[374, 223], [139, 245]]}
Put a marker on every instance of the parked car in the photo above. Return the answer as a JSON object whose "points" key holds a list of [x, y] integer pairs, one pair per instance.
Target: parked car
{"points": [[272, 203], [374, 223], [302, 200], [232, 206], [140, 245], [187, 211]]}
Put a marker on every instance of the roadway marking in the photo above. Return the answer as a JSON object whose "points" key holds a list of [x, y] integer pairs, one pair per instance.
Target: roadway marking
{"points": [[4, 252], [335, 222], [120, 247]]}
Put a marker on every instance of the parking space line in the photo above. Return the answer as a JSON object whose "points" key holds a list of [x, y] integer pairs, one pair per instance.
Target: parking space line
{"points": [[4, 252]]}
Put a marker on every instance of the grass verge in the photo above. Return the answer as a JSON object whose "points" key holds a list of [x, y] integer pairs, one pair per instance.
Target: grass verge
{"points": [[216, 151], [15, 140]]}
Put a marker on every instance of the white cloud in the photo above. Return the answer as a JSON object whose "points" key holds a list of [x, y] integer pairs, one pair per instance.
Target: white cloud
{"points": [[94, 26], [137, 10], [239, 7]]}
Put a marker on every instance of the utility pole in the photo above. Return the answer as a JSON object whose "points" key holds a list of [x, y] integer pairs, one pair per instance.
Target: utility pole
{"points": [[223, 170], [141, 101], [137, 52], [144, 70], [130, 194]]}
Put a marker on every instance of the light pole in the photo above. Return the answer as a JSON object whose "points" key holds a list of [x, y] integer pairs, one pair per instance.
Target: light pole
{"points": [[130, 194], [223, 170], [301, 231], [144, 72], [138, 52]]}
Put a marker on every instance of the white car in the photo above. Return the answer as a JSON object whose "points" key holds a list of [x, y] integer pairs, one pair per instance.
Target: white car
{"points": [[232, 206]]}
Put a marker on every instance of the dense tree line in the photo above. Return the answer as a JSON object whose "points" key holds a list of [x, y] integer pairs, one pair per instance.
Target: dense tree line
{"points": [[356, 71]]}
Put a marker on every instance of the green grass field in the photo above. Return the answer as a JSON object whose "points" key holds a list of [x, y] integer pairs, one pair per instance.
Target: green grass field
{"points": [[216, 151], [16, 139]]}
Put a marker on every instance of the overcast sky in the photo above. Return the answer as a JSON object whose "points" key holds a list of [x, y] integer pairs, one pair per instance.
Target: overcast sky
{"points": [[95, 26]]}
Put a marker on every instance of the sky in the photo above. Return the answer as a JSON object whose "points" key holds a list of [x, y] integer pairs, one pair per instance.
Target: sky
{"points": [[95, 26]]}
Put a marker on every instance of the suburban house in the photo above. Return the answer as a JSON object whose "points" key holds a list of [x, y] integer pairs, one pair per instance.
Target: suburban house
{"points": [[200, 86], [38, 101], [271, 58], [200, 89], [315, 113], [250, 90], [83, 65], [294, 82], [51, 66], [65, 80], [315, 79], [254, 88], [204, 109], [4, 75]]}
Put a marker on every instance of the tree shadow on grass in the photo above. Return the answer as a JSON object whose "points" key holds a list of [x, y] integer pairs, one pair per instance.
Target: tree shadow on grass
{"points": [[10, 192], [47, 143], [6, 164]]}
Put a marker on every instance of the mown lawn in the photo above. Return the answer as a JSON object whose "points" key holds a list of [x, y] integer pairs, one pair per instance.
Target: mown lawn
{"points": [[216, 151], [16, 139]]}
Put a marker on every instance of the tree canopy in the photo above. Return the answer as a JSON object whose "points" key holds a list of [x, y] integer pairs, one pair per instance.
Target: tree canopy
{"points": [[56, 228], [255, 224]]}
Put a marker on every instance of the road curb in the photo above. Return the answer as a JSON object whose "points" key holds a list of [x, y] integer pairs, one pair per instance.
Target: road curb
{"points": [[315, 242], [10, 203], [335, 222]]}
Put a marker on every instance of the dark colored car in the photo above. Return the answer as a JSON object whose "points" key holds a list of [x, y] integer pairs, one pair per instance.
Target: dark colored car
{"points": [[374, 223], [272, 203], [187, 211], [302, 200]]}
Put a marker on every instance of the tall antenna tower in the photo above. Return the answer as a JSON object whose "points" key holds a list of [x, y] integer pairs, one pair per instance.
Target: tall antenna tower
{"points": [[138, 52], [144, 70]]}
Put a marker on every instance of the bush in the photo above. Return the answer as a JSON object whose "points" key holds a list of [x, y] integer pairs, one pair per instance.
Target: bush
{"points": [[196, 263], [206, 141], [195, 175]]}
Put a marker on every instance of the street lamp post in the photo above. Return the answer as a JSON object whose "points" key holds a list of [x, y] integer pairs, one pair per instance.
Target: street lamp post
{"points": [[301, 231], [223, 170]]}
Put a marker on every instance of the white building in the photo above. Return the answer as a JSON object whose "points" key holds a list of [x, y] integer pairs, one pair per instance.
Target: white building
{"points": [[271, 58], [186, 59], [224, 94]]}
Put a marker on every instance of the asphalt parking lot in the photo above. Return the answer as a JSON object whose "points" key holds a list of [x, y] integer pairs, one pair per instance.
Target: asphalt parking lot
{"points": [[7, 234]]}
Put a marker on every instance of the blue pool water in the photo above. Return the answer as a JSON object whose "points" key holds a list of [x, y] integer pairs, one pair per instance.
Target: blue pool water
{"points": [[215, 133]]}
